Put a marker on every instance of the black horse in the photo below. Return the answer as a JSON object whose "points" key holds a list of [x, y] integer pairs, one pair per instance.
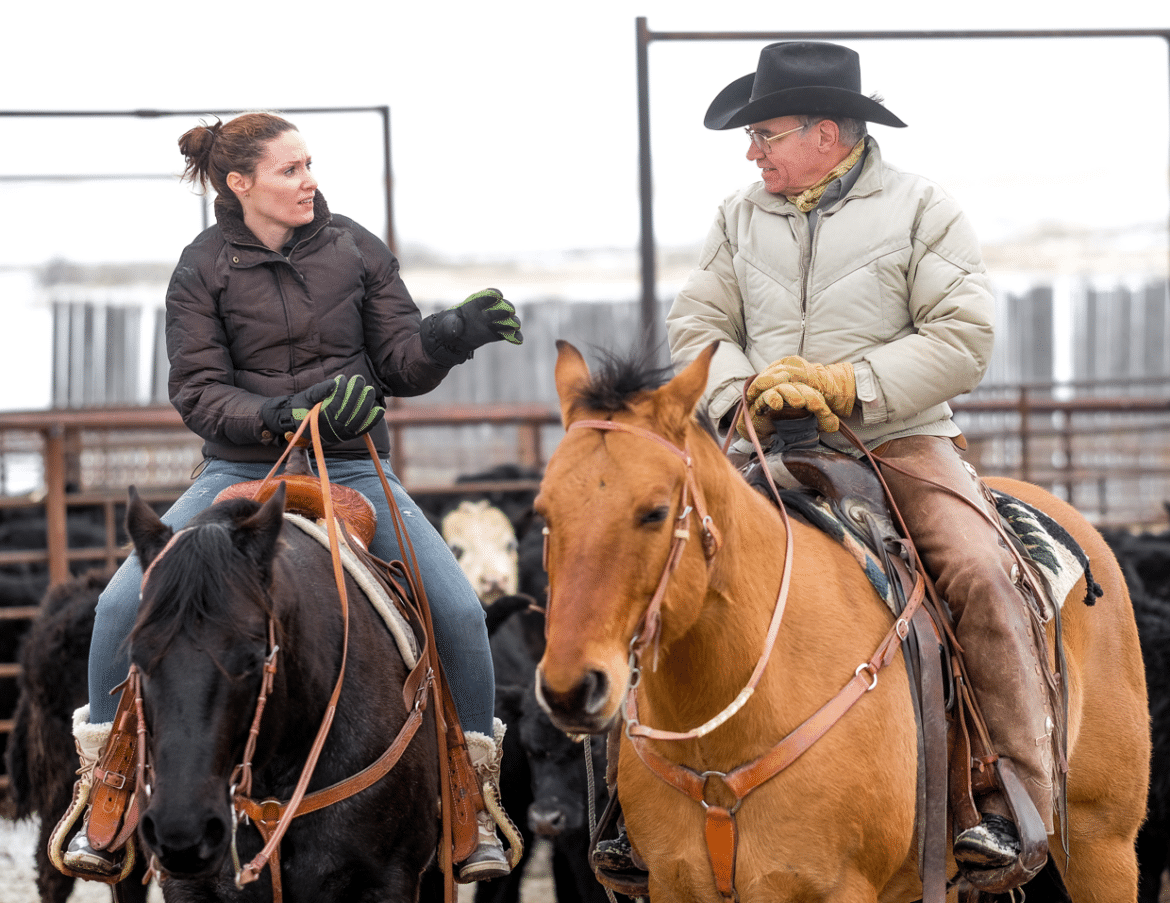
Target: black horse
{"points": [[200, 644]]}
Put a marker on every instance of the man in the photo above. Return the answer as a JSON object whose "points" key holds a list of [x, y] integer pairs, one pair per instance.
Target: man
{"points": [[857, 292]]}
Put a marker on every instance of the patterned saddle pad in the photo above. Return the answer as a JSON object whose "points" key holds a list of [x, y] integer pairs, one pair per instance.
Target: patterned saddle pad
{"points": [[1058, 558]]}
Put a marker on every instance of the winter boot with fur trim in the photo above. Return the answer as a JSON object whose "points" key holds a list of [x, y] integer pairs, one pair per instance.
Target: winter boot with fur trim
{"points": [[488, 860], [79, 856]]}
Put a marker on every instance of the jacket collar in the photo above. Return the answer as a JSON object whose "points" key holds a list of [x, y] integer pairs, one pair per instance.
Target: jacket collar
{"points": [[869, 181], [230, 220]]}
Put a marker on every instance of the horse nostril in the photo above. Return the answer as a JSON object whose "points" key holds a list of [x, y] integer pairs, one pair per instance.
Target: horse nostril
{"points": [[595, 691], [214, 832], [580, 704], [148, 832]]}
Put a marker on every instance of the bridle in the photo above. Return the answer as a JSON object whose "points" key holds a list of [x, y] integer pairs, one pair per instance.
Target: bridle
{"points": [[721, 829]]}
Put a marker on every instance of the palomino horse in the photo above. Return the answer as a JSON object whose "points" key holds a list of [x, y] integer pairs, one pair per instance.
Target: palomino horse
{"points": [[241, 614], [634, 473]]}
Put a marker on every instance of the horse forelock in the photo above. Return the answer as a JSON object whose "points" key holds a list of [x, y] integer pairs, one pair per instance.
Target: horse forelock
{"points": [[198, 582], [620, 381]]}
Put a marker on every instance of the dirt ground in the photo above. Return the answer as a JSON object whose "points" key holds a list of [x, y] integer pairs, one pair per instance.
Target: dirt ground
{"points": [[18, 874]]}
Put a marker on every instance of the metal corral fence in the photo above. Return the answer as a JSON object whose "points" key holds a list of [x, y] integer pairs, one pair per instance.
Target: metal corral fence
{"points": [[1103, 447]]}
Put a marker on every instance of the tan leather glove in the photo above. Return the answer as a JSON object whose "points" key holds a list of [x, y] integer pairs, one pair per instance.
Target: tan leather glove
{"points": [[794, 395], [761, 423], [834, 382]]}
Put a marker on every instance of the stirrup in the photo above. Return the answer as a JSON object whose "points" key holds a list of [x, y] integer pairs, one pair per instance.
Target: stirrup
{"points": [[81, 860], [992, 844], [488, 860], [614, 866], [81, 857]]}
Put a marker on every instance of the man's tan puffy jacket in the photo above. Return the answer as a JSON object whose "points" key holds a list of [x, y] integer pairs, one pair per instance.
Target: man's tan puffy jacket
{"points": [[893, 282]]}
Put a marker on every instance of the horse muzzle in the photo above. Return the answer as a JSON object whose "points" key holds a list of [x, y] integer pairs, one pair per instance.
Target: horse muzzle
{"points": [[189, 843], [583, 708]]}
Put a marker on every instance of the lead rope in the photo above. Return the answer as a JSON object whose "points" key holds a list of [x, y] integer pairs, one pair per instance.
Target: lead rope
{"points": [[591, 791]]}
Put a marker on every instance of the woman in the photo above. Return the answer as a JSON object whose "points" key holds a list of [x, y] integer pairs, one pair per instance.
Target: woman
{"points": [[276, 307]]}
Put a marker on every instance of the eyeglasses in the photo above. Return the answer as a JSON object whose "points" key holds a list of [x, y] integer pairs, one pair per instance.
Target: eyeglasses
{"points": [[763, 142]]}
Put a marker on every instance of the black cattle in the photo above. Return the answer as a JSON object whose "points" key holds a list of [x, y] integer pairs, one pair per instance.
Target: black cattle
{"points": [[510, 659], [1145, 561], [41, 758], [516, 503], [561, 811], [25, 529], [547, 775]]}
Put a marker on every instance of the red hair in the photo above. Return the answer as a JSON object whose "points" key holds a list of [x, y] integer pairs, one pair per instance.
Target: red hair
{"points": [[213, 151]]}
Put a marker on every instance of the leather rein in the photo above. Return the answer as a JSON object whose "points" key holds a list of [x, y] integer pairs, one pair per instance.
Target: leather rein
{"points": [[721, 829], [273, 817]]}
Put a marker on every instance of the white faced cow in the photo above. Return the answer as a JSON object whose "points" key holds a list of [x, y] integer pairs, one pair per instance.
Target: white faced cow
{"points": [[484, 542]]}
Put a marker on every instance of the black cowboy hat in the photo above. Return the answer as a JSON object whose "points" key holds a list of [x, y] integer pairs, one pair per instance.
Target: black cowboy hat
{"points": [[798, 78]]}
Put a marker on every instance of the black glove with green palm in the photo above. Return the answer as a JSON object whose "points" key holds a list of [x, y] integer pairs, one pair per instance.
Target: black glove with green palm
{"points": [[349, 409], [450, 336]]}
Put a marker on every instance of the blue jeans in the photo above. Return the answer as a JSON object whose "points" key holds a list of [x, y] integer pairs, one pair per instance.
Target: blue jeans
{"points": [[460, 631]]}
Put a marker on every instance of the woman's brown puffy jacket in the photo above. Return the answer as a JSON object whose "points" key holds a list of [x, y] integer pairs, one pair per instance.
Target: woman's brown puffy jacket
{"points": [[245, 323]]}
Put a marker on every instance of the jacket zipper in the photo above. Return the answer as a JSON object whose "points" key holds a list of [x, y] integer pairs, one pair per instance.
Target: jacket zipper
{"points": [[806, 271]]}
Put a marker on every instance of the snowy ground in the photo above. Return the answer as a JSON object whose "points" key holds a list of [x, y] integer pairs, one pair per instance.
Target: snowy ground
{"points": [[18, 874]]}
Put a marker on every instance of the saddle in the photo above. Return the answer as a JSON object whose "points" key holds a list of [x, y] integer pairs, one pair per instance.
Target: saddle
{"points": [[846, 498], [302, 495]]}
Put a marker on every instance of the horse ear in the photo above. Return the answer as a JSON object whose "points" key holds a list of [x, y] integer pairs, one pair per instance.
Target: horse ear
{"points": [[571, 374], [258, 534], [677, 399], [145, 528]]}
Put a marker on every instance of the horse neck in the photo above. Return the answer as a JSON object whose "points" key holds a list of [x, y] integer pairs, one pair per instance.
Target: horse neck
{"points": [[309, 634]]}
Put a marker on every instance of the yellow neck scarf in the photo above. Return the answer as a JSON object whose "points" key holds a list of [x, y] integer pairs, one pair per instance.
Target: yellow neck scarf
{"points": [[810, 197]]}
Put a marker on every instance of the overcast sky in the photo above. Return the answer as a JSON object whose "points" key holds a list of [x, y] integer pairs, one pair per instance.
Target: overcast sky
{"points": [[514, 124]]}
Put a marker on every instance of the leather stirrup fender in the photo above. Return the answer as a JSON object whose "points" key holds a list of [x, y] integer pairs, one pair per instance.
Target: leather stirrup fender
{"points": [[466, 796], [112, 818]]}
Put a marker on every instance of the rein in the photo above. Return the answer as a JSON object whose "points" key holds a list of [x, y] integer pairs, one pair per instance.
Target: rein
{"points": [[273, 817], [721, 829]]}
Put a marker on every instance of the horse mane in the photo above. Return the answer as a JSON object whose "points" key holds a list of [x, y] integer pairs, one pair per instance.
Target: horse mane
{"points": [[189, 586], [620, 379]]}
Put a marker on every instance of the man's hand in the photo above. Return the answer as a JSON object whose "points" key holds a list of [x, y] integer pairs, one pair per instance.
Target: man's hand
{"points": [[834, 382], [351, 410], [774, 400]]}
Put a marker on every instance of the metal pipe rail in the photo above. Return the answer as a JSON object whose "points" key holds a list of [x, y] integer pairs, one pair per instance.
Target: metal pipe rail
{"points": [[62, 436]]}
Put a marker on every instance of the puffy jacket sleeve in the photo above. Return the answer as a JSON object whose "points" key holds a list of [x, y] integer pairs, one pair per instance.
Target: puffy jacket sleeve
{"points": [[202, 376], [952, 307], [390, 322], [709, 308]]}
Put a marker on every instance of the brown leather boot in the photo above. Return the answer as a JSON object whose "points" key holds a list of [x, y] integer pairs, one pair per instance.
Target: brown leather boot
{"points": [[981, 581]]}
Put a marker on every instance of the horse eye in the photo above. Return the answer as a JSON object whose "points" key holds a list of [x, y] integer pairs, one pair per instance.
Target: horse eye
{"points": [[655, 516]]}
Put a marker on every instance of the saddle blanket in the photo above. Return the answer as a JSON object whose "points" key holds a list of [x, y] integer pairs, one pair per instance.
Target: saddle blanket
{"points": [[1057, 557], [375, 592]]}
